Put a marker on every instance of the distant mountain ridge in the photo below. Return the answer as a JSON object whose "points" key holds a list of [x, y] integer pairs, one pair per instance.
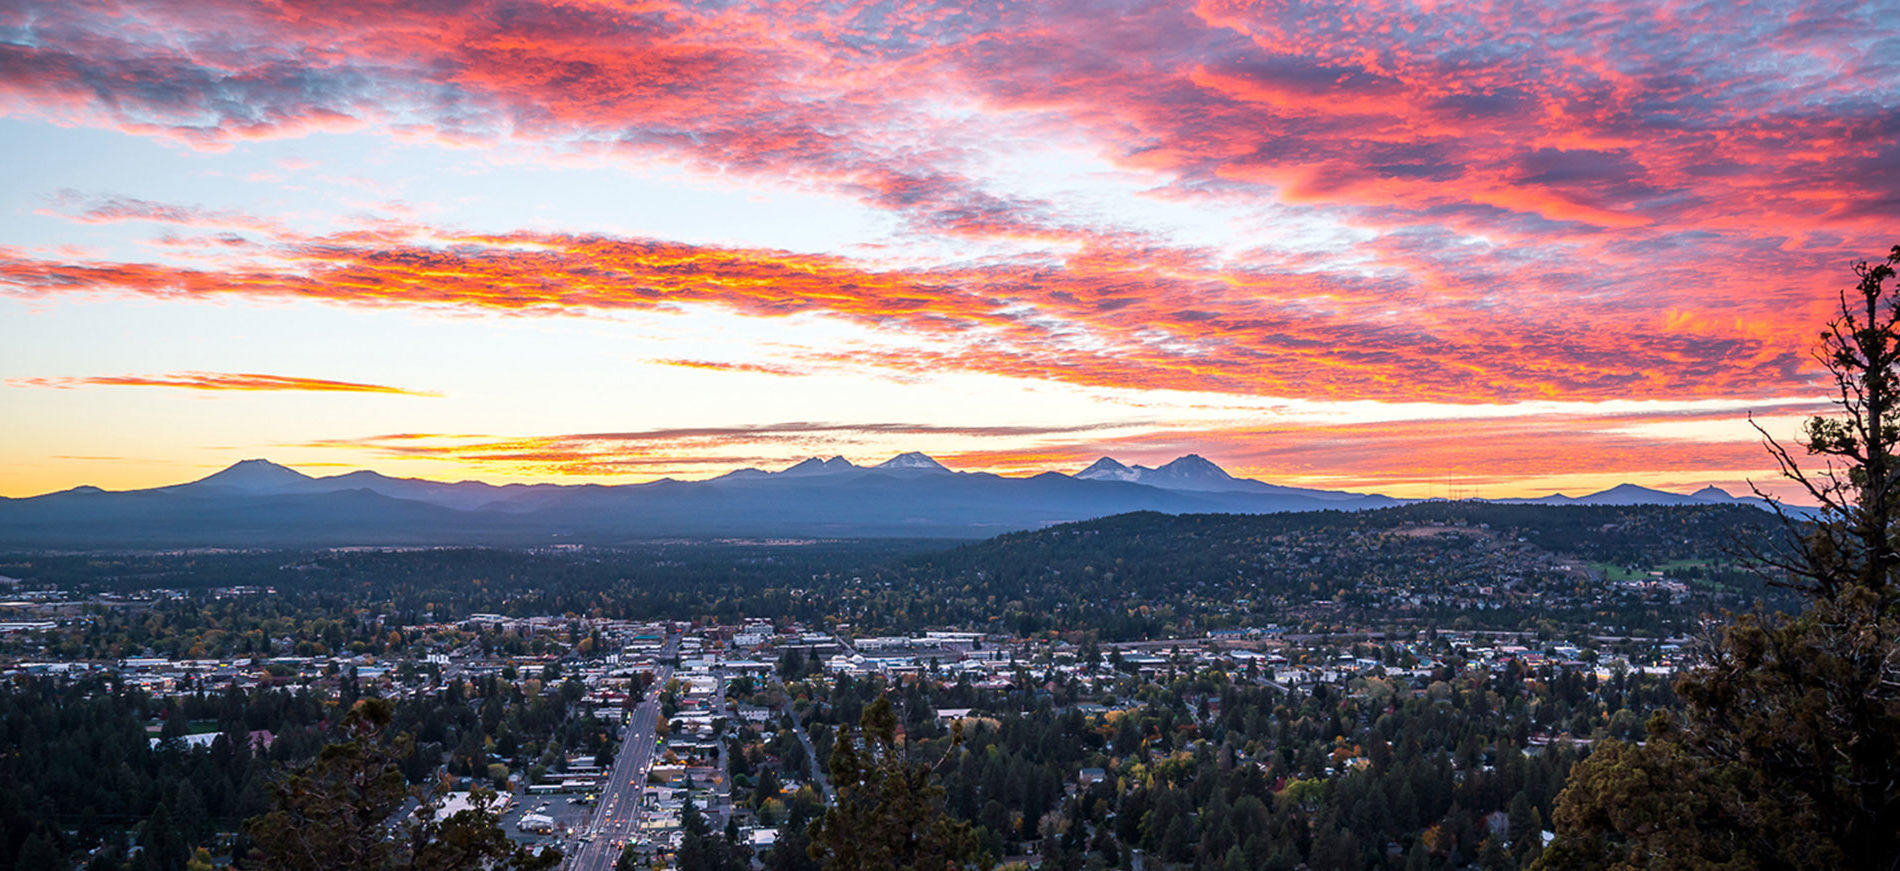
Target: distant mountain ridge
{"points": [[259, 503], [1195, 472], [1632, 494]]}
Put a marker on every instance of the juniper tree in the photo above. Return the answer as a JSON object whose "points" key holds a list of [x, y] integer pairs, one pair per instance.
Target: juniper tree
{"points": [[889, 814], [344, 810], [1787, 751]]}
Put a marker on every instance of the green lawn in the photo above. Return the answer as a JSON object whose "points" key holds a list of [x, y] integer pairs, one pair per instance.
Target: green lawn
{"points": [[1618, 573]]}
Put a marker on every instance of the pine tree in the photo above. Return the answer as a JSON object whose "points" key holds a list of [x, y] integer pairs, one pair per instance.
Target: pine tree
{"points": [[39, 851], [161, 838], [696, 850]]}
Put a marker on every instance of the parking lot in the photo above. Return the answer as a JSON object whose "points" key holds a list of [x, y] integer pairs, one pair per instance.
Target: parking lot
{"points": [[568, 817]]}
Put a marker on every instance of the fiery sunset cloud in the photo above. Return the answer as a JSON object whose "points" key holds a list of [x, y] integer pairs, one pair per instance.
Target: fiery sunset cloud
{"points": [[1116, 319], [1391, 218]]}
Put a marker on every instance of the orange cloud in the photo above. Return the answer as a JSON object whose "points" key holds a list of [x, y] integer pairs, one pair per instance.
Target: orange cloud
{"points": [[213, 381], [1154, 317]]}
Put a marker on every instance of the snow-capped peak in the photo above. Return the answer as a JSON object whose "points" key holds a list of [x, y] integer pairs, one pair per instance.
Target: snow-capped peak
{"points": [[1107, 469], [816, 466], [259, 475], [911, 462], [1192, 466], [1191, 472]]}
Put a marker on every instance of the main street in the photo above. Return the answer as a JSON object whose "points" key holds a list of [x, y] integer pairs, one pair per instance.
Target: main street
{"points": [[617, 813]]}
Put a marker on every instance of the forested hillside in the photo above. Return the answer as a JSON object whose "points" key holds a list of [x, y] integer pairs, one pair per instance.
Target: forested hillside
{"points": [[1489, 565]]}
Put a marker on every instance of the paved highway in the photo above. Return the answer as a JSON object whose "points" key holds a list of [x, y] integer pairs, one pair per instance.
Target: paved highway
{"points": [[617, 813]]}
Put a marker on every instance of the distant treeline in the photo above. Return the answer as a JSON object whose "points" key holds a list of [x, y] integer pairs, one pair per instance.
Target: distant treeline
{"points": [[1133, 576]]}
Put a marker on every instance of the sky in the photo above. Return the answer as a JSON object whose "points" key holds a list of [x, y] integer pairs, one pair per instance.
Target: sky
{"points": [[1419, 248]]}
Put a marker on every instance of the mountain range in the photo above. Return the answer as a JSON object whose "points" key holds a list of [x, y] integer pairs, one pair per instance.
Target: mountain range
{"points": [[256, 503]]}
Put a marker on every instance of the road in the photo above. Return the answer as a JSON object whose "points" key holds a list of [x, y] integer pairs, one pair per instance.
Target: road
{"points": [[723, 795], [816, 767], [617, 813]]}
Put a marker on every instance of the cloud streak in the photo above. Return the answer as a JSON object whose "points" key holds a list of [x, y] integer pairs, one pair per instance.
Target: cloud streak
{"points": [[676, 450], [1482, 451], [85, 209], [1405, 455], [721, 366], [214, 381]]}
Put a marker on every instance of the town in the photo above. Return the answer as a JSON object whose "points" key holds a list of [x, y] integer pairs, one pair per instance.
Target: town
{"points": [[730, 717], [1411, 683]]}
